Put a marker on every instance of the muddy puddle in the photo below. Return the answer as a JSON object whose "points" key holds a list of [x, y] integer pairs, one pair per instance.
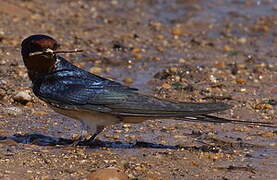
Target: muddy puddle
{"points": [[195, 50]]}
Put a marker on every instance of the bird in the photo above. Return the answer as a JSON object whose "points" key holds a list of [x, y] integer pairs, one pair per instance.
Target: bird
{"points": [[98, 102]]}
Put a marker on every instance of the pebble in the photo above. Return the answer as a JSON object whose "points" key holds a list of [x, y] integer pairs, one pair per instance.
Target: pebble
{"points": [[166, 86], [95, 70], [156, 25], [227, 48], [240, 81], [173, 69], [126, 126], [137, 56], [263, 106], [160, 37], [23, 97], [213, 78], [128, 80], [268, 134], [14, 111], [136, 50], [160, 49], [182, 60], [107, 174], [242, 40], [2, 93], [243, 90], [220, 64], [177, 30]]}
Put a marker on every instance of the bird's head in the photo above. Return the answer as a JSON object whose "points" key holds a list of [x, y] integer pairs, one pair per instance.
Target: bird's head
{"points": [[36, 52]]}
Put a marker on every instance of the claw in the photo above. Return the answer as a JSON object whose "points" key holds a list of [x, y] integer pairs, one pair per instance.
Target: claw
{"points": [[83, 140]]}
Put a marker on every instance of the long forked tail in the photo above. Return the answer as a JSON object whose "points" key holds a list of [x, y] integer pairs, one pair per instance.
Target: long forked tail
{"points": [[214, 119]]}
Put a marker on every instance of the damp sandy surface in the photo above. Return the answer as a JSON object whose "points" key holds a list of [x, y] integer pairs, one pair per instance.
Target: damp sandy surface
{"points": [[195, 50]]}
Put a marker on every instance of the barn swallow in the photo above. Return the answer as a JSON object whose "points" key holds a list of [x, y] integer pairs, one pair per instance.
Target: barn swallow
{"points": [[95, 101]]}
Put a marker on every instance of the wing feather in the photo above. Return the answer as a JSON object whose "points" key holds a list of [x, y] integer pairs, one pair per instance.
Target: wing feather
{"points": [[66, 88]]}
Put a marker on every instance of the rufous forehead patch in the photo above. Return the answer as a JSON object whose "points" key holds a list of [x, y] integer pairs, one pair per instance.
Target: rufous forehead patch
{"points": [[47, 43]]}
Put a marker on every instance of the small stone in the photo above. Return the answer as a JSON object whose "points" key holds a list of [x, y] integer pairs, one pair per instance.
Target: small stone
{"points": [[182, 60], [40, 113], [179, 137], [243, 90], [29, 104], [240, 81], [136, 50], [2, 93], [114, 2], [176, 30], [215, 157], [242, 40], [194, 163], [97, 62], [107, 174], [128, 80], [95, 70], [177, 78], [166, 86], [22, 97], [137, 56], [263, 106], [156, 25], [274, 91], [13, 111], [196, 7], [173, 69], [220, 64], [268, 134], [160, 37], [126, 125], [45, 178], [227, 48], [213, 78], [160, 49]]}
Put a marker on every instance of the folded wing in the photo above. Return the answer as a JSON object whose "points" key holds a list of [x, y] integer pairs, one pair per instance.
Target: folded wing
{"points": [[90, 93]]}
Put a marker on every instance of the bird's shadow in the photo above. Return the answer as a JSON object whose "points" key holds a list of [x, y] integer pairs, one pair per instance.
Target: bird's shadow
{"points": [[44, 140]]}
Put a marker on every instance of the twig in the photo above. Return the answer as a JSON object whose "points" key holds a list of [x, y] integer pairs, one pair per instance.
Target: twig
{"points": [[50, 51]]}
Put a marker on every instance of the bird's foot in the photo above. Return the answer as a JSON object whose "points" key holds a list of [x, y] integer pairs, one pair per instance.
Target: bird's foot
{"points": [[81, 139], [84, 139]]}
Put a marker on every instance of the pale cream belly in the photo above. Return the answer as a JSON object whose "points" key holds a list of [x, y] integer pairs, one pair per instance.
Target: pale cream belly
{"points": [[90, 120], [93, 120], [90, 117]]}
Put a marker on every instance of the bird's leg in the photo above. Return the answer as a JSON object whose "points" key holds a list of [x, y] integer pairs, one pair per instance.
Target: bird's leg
{"points": [[85, 138], [84, 135], [81, 139]]}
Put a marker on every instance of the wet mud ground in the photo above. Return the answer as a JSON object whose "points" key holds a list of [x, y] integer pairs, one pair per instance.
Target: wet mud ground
{"points": [[195, 50]]}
